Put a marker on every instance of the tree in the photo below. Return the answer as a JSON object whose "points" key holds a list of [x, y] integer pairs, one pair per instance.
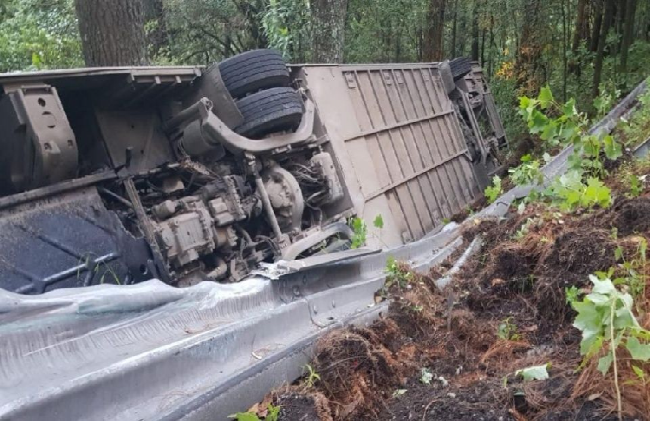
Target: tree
{"points": [[628, 33], [608, 20], [112, 32], [205, 31], [36, 34], [598, 23], [156, 26], [581, 32], [328, 38], [475, 32], [528, 67], [433, 40]]}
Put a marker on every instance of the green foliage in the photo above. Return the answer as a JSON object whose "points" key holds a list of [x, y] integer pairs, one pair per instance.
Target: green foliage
{"points": [[396, 274], [312, 376], [607, 321], [569, 128], [360, 232], [426, 376], [528, 172], [384, 30], [570, 192], [636, 187], [560, 126], [35, 34], [637, 129], [287, 27], [495, 190], [536, 372], [634, 277], [508, 330], [272, 415], [205, 31], [608, 97], [507, 101], [378, 222], [571, 294]]}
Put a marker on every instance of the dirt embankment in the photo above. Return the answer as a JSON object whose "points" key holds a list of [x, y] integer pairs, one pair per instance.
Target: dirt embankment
{"points": [[452, 354]]}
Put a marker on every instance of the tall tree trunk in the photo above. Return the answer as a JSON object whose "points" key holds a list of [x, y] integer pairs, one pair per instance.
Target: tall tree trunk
{"points": [[528, 67], [628, 34], [462, 29], [598, 23], [600, 54], [328, 30], [565, 41], [112, 32], [493, 46], [483, 36], [475, 33], [433, 38], [582, 25], [454, 28]]}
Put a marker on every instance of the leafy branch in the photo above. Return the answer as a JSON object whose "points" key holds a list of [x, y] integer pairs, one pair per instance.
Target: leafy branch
{"points": [[607, 322], [561, 126]]}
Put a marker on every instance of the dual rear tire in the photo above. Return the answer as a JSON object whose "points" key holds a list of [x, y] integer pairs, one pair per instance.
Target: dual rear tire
{"points": [[259, 80]]}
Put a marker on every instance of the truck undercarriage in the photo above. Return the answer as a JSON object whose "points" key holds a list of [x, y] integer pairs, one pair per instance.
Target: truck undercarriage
{"points": [[188, 174]]}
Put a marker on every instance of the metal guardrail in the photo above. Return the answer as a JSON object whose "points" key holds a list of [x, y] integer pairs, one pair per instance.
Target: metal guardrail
{"points": [[150, 351]]}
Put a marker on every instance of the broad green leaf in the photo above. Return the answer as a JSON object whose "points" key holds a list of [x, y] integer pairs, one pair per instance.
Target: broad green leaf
{"points": [[549, 132], [545, 97], [598, 299], [537, 122], [625, 318], [613, 149], [273, 413], [494, 191], [569, 132], [569, 109], [638, 351], [639, 372], [618, 253], [378, 222], [602, 287], [536, 372], [588, 322], [604, 363]]}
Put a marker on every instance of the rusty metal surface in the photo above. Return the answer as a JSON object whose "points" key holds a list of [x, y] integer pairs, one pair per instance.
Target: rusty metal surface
{"points": [[399, 142]]}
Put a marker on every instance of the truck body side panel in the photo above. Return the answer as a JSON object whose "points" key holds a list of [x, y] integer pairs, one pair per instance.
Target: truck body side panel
{"points": [[399, 143]]}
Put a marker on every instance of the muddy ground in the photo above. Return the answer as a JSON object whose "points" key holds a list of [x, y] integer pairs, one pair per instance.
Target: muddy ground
{"points": [[452, 354]]}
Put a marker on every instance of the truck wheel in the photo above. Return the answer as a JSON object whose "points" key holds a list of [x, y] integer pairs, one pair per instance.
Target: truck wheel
{"points": [[254, 70], [270, 111], [460, 67]]}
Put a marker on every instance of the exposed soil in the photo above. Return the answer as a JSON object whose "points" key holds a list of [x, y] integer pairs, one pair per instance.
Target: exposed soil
{"points": [[453, 354], [303, 407]]}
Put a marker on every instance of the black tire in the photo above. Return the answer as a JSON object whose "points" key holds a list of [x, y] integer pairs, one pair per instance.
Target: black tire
{"points": [[253, 71], [269, 111], [460, 67]]}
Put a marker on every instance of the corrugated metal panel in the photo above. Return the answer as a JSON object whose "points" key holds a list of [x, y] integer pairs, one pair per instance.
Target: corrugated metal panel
{"points": [[404, 142]]}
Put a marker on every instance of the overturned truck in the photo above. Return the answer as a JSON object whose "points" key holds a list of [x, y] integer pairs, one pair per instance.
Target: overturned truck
{"points": [[185, 174]]}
